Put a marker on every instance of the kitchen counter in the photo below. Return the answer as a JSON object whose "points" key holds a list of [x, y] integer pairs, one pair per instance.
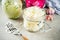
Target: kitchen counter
{"points": [[53, 34]]}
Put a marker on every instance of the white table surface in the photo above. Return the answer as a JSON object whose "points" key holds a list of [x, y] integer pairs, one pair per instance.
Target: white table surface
{"points": [[53, 34]]}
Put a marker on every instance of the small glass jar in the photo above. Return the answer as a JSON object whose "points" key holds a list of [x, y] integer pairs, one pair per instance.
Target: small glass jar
{"points": [[13, 8], [33, 18]]}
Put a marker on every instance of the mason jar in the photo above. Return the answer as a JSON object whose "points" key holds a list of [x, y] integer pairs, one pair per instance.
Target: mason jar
{"points": [[33, 18], [13, 8]]}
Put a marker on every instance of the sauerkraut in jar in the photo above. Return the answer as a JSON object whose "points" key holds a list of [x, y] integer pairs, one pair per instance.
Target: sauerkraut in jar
{"points": [[13, 8], [33, 18]]}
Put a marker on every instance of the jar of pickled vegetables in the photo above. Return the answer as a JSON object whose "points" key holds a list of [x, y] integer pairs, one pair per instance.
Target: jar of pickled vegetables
{"points": [[33, 18], [13, 8]]}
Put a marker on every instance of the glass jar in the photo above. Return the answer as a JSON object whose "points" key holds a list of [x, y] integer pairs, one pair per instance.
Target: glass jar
{"points": [[33, 18], [13, 8]]}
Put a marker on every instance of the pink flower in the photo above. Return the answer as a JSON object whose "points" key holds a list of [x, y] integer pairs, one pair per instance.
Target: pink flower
{"points": [[50, 11]]}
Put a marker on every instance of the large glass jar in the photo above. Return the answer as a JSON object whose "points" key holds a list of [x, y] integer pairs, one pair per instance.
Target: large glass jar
{"points": [[13, 8], [33, 18]]}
